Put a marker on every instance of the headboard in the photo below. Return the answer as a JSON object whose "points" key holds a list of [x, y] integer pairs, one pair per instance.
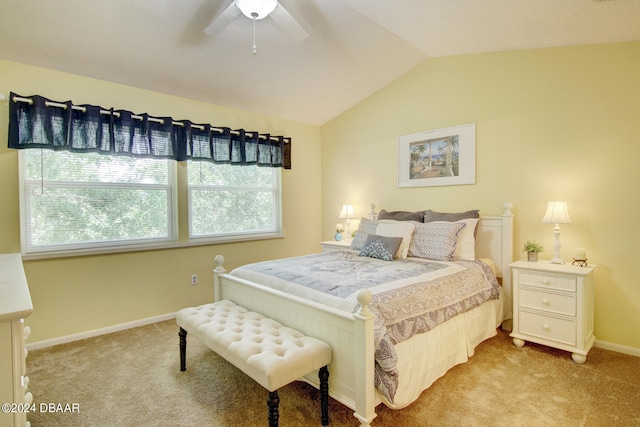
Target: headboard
{"points": [[494, 240]]}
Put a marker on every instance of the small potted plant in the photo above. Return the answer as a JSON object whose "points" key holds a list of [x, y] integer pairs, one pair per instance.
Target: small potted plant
{"points": [[339, 231], [531, 247]]}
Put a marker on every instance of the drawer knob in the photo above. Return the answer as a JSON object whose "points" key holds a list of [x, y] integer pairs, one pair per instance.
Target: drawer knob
{"points": [[545, 301], [546, 327], [546, 281]]}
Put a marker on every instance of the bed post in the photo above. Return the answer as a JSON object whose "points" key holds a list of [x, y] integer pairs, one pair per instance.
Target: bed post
{"points": [[364, 350], [507, 258], [373, 215], [219, 259]]}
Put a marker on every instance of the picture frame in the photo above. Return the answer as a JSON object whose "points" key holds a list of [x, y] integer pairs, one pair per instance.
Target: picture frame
{"points": [[438, 157]]}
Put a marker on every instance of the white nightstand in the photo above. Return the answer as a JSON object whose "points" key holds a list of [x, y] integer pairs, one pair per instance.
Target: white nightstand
{"points": [[335, 245], [553, 305]]}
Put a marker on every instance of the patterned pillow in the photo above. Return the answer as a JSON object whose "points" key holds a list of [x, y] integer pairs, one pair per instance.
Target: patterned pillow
{"points": [[430, 216], [381, 247], [435, 240], [365, 228]]}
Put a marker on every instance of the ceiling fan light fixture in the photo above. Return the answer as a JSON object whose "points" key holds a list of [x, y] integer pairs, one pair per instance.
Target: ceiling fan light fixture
{"points": [[256, 9]]}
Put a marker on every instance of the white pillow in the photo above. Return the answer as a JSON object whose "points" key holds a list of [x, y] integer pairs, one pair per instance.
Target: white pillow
{"points": [[466, 244], [391, 228]]}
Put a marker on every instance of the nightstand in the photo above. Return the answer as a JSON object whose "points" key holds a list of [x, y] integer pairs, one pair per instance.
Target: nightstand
{"points": [[335, 245], [553, 306]]}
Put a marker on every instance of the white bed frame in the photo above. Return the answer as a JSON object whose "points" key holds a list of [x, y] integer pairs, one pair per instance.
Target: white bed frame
{"points": [[351, 336]]}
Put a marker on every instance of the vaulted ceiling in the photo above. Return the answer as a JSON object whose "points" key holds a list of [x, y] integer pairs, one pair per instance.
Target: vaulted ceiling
{"points": [[354, 47]]}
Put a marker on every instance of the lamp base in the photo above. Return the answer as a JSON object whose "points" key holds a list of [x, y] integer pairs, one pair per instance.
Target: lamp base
{"points": [[557, 260]]}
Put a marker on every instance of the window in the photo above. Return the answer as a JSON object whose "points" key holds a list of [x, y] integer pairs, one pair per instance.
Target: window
{"points": [[97, 179], [77, 201], [233, 201]]}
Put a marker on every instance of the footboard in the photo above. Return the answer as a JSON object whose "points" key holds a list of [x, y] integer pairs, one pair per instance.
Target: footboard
{"points": [[351, 336]]}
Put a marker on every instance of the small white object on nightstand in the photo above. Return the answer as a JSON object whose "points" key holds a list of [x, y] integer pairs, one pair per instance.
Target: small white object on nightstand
{"points": [[553, 306], [335, 245]]}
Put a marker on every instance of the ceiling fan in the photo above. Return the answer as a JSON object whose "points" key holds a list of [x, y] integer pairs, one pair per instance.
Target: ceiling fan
{"points": [[256, 10]]}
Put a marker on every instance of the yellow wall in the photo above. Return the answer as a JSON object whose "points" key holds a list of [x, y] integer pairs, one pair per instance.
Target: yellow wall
{"points": [[72, 295], [551, 124]]}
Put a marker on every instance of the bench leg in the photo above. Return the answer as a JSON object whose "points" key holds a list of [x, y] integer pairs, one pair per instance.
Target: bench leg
{"points": [[323, 374], [272, 402], [183, 349]]}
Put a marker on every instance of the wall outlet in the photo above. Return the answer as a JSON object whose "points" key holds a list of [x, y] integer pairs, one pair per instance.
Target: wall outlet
{"points": [[194, 279]]}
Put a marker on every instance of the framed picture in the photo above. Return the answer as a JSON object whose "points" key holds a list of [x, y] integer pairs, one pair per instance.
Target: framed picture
{"points": [[438, 157]]}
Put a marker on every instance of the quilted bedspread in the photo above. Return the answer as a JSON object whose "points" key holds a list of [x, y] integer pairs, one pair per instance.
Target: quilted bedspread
{"points": [[410, 296]]}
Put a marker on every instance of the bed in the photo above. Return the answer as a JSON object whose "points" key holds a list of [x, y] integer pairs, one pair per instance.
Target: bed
{"points": [[348, 324]]}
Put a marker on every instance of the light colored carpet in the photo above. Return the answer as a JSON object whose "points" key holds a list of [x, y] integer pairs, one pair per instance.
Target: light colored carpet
{"points": [[132, 378]]}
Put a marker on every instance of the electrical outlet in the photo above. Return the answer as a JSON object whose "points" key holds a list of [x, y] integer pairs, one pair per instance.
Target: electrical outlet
{"points": [[194, 279]]}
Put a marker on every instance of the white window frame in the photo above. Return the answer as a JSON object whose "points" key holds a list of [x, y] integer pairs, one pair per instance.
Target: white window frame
{"points": [[275, 189], [88, 248]]}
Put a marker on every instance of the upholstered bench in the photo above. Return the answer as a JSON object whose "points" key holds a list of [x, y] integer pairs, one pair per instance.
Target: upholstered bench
{"points": [[271, 354]]}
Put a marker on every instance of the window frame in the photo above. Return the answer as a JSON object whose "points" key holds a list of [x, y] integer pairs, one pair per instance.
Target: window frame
{"points": [[96, 247], [276, 191]]}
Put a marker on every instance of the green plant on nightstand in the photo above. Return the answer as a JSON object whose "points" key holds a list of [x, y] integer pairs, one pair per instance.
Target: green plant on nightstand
{"points": [[531, 247]]}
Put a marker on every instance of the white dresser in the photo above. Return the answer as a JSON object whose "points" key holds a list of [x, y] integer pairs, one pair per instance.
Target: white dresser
{"points": [[15, 305], [553, 305]]}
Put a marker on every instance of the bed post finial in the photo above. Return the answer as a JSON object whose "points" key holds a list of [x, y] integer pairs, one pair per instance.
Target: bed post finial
{"points": [[219, 259], [364, 297], [507, 209], [373, 216]]}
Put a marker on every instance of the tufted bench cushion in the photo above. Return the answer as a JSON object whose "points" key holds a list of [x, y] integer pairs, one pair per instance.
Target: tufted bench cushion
{"points": [[272, 354], [269, 352]]}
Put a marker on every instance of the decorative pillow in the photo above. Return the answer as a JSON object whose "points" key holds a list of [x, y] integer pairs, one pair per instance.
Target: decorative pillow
{"points": [[381, 247], [404, 229], [435, 240], [466, 244], [365, 228], [430, 216], [402, 215]]}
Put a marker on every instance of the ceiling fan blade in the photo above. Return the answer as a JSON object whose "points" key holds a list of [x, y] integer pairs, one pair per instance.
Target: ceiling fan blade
{"points": [[227, 14], [288, 23]]}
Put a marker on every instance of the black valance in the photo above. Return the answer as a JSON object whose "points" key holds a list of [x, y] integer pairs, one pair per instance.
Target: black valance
{"points": [[37, 122]]}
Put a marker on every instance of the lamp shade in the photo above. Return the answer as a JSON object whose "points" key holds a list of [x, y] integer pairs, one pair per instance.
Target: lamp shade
{"points": [[257, 9], [347, 212], [557, 213]]}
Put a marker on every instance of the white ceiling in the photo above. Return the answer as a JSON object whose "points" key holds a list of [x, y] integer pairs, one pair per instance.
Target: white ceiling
{"points": [[354, 48]]}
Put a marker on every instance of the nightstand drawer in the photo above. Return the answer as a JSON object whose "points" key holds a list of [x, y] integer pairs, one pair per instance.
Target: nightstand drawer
{"points": [[551, 328], [547, 281], [554, 303]]}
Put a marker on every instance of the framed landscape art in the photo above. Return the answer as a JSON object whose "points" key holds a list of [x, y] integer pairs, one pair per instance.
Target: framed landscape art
{"points": [[444, 156]]}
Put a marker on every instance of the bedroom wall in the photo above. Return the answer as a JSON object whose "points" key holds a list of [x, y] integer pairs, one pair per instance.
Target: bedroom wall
{"points": [[78, 294], [551, 124]]}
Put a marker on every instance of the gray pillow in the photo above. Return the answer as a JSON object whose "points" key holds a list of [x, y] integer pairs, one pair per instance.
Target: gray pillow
{"points": [[402, 215], [365, 228], [430, 216], [381, 247]]}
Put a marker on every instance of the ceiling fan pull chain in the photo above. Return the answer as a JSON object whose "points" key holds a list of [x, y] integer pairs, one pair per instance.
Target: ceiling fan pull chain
{"points": [[254, 32]]}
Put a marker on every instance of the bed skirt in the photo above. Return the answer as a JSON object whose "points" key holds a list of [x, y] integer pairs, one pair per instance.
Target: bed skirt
{"points": [[445, 346]]}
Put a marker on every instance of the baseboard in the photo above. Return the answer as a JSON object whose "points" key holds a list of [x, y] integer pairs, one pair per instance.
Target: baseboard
{"points": [[617, 348], [96, 332], [149, 320]]}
